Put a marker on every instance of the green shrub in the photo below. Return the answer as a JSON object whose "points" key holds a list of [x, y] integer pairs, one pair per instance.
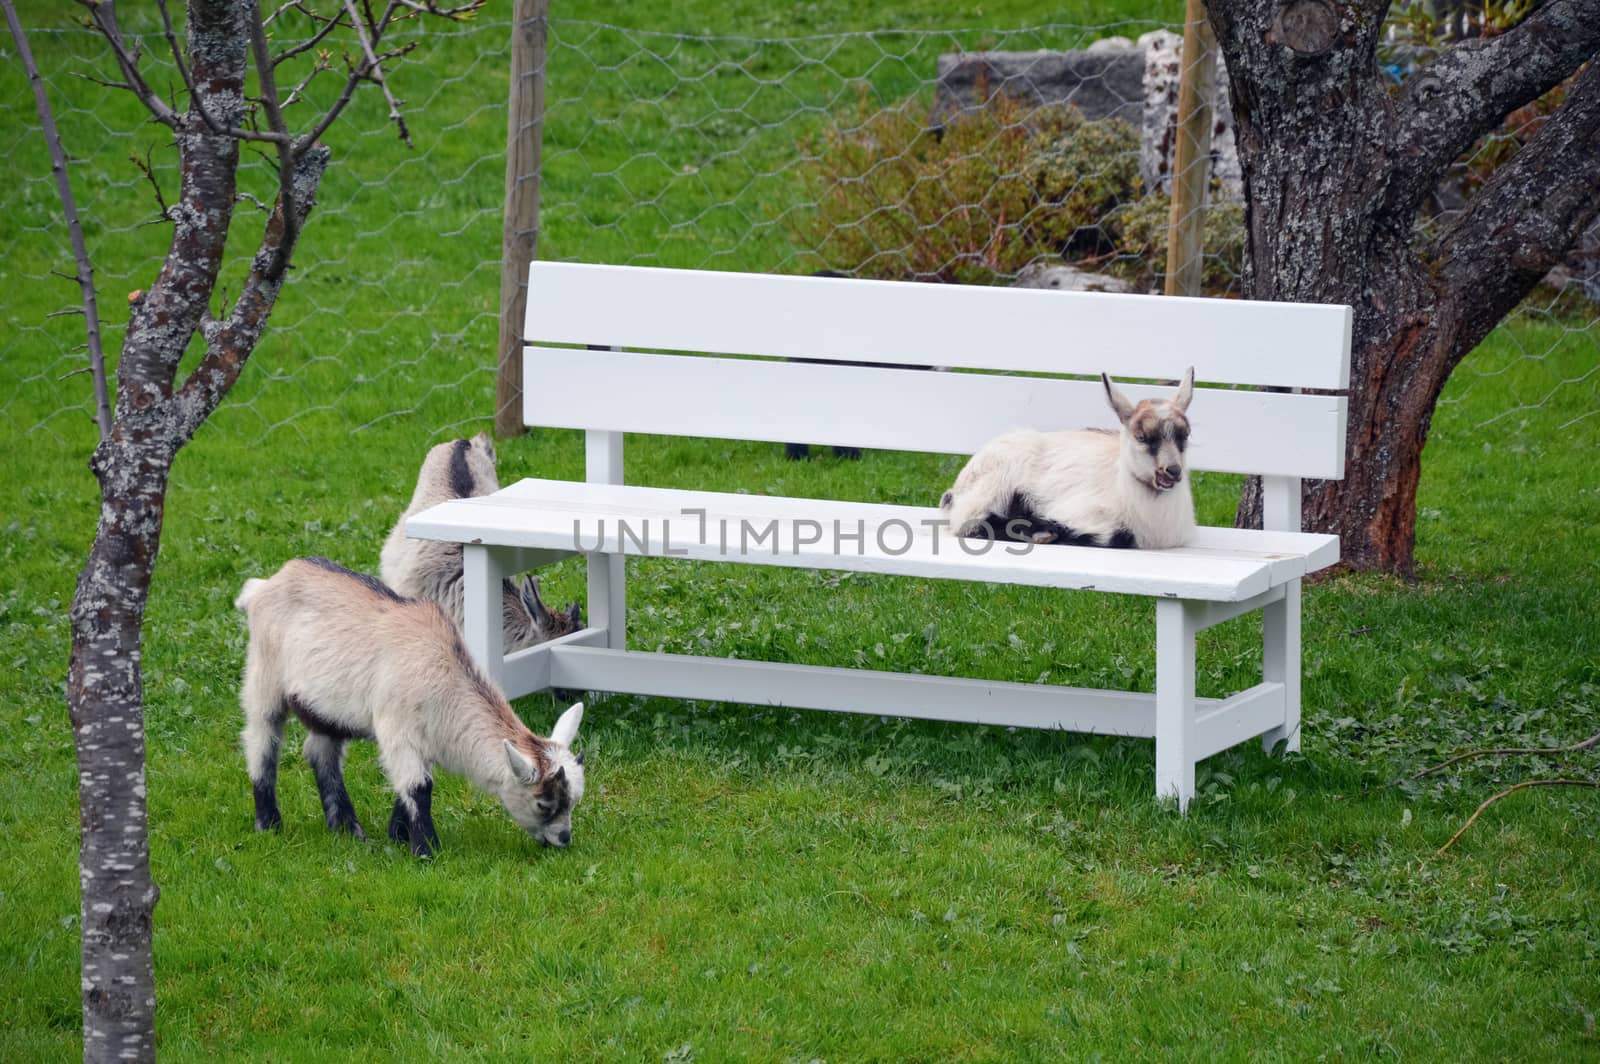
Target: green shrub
{"points": [[1142, 243], [895, 199], [996, 188], [1080, 177]]}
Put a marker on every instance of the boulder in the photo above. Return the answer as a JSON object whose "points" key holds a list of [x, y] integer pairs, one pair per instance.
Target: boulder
{"points": [[1067, 279], [1104, 81]]}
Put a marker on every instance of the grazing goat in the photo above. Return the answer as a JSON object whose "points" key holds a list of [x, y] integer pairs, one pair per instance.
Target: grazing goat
{"points": [[1090, 487], [429, 569], [354, 660]]}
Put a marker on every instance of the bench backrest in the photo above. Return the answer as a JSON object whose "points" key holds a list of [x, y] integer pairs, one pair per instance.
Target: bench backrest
{"points": [[1015, 334]]}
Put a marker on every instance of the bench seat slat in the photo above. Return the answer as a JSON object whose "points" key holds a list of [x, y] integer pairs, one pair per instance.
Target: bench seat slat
{"points": [[1297, 345], [1267, 433], [559, 515]]}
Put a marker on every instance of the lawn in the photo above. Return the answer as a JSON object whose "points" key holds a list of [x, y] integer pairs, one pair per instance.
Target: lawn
{"points": [[758, 884]]}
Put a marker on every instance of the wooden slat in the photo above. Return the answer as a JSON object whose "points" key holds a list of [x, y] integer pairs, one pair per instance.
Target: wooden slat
{"points": [[952, 413], [821, 534], [1288, 554], [890, 694], [1225, 724], [528, 670], [1220, 723], [1026, 330], [1210, 614], [1298, 552]]}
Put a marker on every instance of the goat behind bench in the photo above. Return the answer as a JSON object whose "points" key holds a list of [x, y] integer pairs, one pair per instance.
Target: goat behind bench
{"points": [[464, 469]]}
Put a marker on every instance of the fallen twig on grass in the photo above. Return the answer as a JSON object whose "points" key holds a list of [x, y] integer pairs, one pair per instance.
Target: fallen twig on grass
{"points": [[1593, 740], [1512, 790]]}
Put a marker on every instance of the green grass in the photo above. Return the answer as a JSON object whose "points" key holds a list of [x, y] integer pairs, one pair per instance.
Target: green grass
{"points": [[753, 884]]}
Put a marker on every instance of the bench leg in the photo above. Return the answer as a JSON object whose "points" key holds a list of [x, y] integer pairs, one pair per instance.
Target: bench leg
{"points": [[608, 598], [1280, 663], [1175, 726], [482, 625]]}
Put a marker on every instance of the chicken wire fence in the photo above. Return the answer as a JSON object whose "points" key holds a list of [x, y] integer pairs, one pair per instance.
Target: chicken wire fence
{"points": [[866, 153]]}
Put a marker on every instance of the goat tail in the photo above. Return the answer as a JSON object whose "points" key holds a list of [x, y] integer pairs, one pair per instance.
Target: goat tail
{"points": [[248, 592]]}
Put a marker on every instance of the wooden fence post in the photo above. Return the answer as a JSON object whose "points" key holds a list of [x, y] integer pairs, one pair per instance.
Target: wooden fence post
{"points": [[524, 141], [1191, 169]]}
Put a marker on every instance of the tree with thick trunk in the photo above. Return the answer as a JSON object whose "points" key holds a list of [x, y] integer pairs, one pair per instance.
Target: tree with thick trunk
{"points": [[155, 414], [1337, 164]]}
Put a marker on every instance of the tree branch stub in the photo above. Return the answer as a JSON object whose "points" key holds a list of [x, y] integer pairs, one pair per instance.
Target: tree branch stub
{"points": [[1306, 27]]}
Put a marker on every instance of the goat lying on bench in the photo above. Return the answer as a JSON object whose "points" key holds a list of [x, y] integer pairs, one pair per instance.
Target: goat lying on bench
{"points": [[1033, 336]]}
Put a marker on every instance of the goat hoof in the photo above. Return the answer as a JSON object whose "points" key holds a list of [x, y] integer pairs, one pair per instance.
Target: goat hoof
{"points": [[1042, 537], [272, 823]]}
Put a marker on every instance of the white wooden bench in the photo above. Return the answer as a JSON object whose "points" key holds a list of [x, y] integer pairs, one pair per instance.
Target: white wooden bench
{"points": [[1222, 573]]}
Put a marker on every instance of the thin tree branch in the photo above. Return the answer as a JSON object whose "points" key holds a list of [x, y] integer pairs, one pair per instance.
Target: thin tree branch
{"points": [[269, 100], [1550, 751], [351, 84], [1465, 92], [1510, 791], [328, 26], [149, 173], [69, 207], [375, 65], [1525, 217], [121, 86], [293, 5], [296, 94], [183, 68], [230, 342], [103, 13], [163, 321], [453, 13]]}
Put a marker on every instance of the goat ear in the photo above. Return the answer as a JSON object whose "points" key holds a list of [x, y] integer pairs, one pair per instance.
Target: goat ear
{"points": [[529, 593], [1185, 391], [1119, 402], [566, 728], [485, 443], [523, 768], [575, 613]]}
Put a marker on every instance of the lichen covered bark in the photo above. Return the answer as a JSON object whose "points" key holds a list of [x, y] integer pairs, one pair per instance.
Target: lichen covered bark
{"points": [[154, 420]]}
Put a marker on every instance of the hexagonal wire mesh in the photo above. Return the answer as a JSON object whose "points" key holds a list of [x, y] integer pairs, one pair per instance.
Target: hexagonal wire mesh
{"points": [[867, 153]]}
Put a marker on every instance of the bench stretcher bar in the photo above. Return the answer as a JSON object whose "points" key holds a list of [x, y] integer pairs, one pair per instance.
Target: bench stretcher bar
{"points": [[581, 662]]}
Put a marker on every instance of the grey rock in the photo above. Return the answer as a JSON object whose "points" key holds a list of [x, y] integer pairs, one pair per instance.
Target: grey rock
{"points": [[1063, 278], [1104, 82]]}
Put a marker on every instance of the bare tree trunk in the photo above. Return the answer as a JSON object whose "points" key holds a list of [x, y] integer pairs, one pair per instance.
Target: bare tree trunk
{"points": [[155, 418], [106, 699], [1335, 168]]}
